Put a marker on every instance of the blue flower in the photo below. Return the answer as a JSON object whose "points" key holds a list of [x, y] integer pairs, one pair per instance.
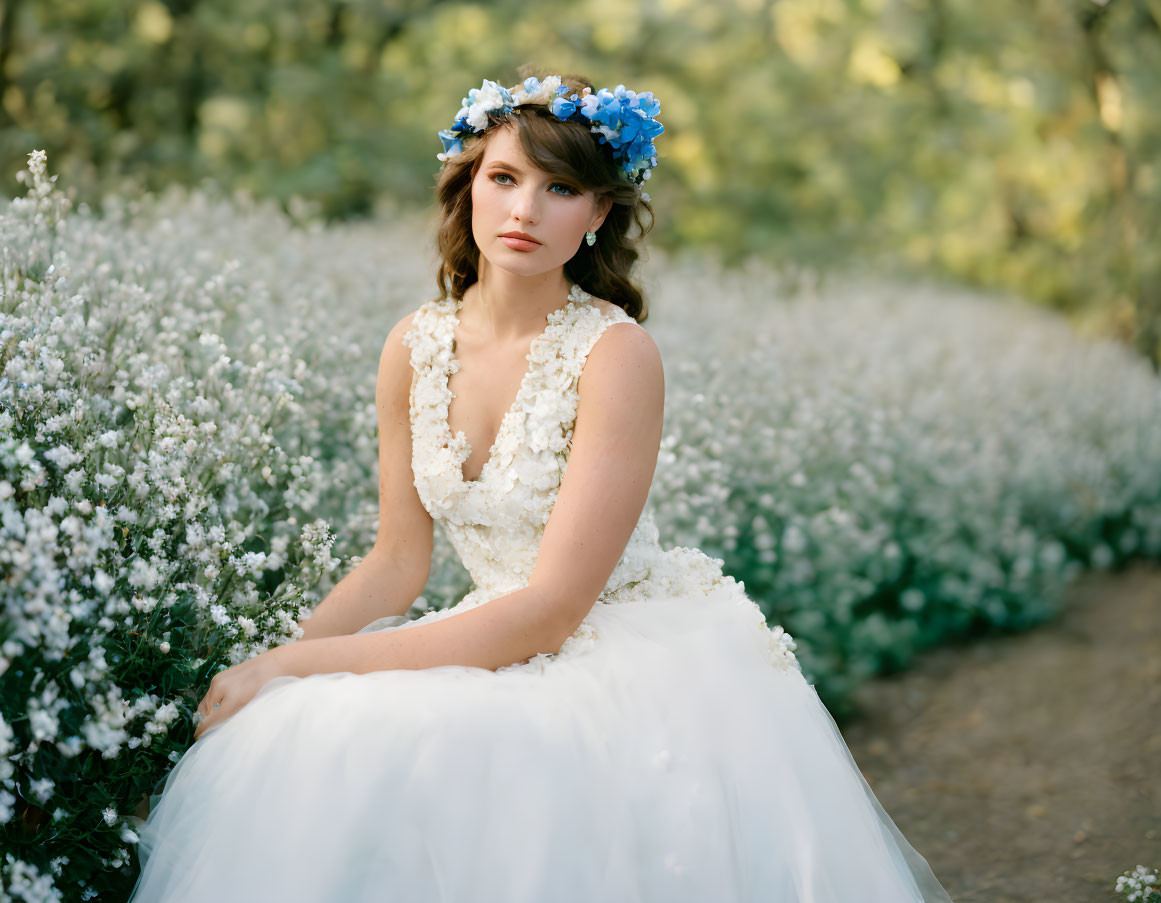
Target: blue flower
{"points": [[452, 144], [648, 104], [622, 119], [563, 109]]}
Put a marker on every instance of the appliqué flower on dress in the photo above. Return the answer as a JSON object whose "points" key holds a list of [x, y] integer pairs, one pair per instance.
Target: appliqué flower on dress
{"points": [[782, 648], [496, 522]]}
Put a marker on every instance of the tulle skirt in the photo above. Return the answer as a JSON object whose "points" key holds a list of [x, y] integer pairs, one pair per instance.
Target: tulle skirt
{"points": [[669, 758]]}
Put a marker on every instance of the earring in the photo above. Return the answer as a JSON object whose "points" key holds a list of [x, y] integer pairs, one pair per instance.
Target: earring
{"points": [[591, 238]]}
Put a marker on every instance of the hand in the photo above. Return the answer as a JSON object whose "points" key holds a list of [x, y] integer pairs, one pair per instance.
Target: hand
{"points": [[231, 689]]}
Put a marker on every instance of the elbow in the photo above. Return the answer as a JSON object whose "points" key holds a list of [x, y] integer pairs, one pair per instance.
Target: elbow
{"points": [[566, 608], [402, 563], [556, 637], [401, 570]]}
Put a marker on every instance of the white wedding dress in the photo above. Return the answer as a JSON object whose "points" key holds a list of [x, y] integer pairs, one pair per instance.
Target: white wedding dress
{"points": [[670, 752]]}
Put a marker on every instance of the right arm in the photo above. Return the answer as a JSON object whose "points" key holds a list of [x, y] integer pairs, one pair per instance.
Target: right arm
{"points": [[392, 575]]}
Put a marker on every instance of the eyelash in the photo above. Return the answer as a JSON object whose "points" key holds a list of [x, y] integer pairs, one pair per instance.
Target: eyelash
{"points": [[554, 184]]}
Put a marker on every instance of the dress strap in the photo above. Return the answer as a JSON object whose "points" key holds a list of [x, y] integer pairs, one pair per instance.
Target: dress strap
{"points": [[554, 397], [429, 336], [430, 341], [596, 329]]}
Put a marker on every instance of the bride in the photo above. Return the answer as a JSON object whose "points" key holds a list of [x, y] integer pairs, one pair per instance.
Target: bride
{"points": [[599, 718]]}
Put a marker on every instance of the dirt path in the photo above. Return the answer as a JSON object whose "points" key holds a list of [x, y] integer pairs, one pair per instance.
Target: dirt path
{"points": [[1027, 768]]}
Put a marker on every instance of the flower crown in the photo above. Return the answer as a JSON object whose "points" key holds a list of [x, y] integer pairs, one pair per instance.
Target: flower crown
{"points": [[622, 119]]}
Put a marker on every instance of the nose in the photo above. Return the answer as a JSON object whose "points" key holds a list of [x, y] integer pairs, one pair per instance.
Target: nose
{"points": [[525, 204]]}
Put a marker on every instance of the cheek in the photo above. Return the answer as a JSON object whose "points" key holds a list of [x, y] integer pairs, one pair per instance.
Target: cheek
{"points": [[481, 197], [580, 220]]}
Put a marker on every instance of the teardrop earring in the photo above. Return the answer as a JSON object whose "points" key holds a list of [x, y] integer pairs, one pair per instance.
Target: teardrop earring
{"points": [[591, 238]]}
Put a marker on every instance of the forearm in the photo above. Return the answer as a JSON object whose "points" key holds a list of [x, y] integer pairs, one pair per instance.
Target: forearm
{"points": [[506, 630], [378, 587]]}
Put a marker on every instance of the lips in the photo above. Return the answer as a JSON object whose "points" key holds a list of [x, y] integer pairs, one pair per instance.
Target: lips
{"points": [[520, 241]]}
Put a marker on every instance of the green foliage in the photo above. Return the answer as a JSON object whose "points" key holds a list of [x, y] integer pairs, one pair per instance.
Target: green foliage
{"points": [[1012, 145]]}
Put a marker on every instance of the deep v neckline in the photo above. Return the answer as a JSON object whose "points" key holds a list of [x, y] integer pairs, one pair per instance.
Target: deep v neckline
{"points": [[575, 295]]}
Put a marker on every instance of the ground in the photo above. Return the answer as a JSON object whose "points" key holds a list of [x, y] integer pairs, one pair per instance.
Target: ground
{"points": [[1027, 768]]}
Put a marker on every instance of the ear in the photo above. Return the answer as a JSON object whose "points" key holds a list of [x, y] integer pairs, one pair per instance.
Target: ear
{"points": [[603, 207]]}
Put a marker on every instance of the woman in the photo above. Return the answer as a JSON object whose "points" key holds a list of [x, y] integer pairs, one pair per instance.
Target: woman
{"points": [[599, 718]]}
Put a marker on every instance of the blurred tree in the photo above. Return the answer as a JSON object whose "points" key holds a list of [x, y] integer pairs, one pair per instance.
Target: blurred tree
{"points": [[1011, 145]]}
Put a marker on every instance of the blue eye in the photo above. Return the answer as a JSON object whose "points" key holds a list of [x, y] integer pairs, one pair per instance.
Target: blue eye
{"points": [[569, 189]]}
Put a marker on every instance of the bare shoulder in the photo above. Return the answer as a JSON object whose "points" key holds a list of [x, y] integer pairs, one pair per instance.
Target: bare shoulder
{"points": [[624, 355], [402, 325], [605, 307], [394, 347], [395, 358], [627, 339]]}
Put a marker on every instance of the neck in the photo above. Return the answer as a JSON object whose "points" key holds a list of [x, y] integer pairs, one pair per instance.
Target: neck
{"points": [[510, 305]]}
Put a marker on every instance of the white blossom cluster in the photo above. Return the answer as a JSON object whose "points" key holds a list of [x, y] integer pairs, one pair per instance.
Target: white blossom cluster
{"points": [[163, 475], [1139, 885], [187, 405], [890, 464]]}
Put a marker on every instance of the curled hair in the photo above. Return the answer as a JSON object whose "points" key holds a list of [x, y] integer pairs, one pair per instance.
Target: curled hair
{"points": [[567, 150]]}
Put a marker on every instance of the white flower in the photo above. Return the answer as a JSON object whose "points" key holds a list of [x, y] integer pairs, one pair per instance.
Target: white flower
{"points": [[102, 582], [250, 563], [166, 714], [793, 539], [543, 93], [42, 789], [489, 96], [7, 801], [63, 457]]}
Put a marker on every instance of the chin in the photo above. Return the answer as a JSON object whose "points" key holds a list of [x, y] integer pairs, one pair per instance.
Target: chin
{"points": [[520, 263]]}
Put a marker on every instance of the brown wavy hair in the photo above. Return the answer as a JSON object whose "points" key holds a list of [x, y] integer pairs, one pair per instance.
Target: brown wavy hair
{"points": [[567, 150]]}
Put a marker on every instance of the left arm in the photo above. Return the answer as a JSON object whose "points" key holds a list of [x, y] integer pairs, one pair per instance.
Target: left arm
{"points": [[611, 463], [610, 468]]}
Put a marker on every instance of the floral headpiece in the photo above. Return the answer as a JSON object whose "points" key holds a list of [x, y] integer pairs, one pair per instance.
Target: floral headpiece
{"points": [[622, 119]]}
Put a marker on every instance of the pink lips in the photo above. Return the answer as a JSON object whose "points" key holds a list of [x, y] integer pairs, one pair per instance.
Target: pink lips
{"points": [[520, 241]]}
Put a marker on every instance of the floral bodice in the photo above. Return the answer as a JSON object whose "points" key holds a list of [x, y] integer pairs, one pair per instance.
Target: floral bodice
{"points": [[495, 522]]}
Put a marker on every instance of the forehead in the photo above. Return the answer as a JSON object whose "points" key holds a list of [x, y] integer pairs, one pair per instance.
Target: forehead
{"points": [[503, 146]]}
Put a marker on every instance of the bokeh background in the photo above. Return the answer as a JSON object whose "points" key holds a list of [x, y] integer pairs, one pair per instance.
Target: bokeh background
{"points": [[1012, 145], [904, 277]]}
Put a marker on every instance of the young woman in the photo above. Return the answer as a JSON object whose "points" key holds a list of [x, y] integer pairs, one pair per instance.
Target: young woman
{"points": [[599, 719]]}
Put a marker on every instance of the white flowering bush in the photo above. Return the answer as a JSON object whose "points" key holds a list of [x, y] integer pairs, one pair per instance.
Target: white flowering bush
{"points": [[188, 463], [160, 494], [888, 467], [1139, 886]]}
